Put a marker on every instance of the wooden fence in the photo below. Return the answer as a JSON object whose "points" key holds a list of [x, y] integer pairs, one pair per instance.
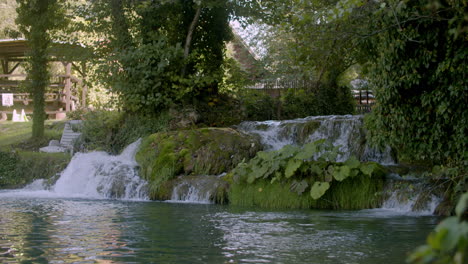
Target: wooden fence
{"points": [[364, 98]]}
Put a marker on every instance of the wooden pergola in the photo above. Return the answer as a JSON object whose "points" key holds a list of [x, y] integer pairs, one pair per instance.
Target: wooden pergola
{"points": [[65, 92]]}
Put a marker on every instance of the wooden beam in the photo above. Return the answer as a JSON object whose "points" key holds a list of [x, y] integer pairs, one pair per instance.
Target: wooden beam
{"points": [[14, 68], [77, 69], [13, 75]]}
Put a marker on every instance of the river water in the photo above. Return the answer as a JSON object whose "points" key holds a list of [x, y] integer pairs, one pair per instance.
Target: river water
{"points": [[61, 230]]}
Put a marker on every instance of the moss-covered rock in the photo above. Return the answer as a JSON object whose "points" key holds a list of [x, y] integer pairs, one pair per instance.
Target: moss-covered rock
{"points": [[206, 151]]}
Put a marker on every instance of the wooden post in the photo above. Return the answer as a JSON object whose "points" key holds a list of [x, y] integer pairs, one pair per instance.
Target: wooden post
{"points": [[68, 86], [5, 66], [85, 86]]}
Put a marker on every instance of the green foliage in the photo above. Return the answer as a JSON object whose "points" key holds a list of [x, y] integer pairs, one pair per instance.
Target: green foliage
{"points": [[449, 242], [318, 189], [298, 103], [419, 77], [8, 163], [257, 105], [312, 167], [333, 99], [20, 168], [295, 103], [38, 165], [8, 28], [219, 111], [357, 193], [112, 131], [160, 53], [37, 21], [150, 80]]}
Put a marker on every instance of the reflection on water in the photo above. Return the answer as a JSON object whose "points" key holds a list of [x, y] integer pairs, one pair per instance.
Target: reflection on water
{"points": [[46, 230]]}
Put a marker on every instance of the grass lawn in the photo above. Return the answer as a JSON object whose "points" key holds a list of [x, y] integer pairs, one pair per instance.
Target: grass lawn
{"points": [[20, 160], [17, 135]]}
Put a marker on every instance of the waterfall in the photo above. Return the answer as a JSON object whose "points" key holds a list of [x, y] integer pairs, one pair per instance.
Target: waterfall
{"points": [[411, 195], [196, 189], [100, 175], [95, 175], [345, 132]]}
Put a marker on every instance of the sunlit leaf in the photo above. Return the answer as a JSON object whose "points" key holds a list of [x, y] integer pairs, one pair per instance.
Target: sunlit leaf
{"points": [[319, 189]]}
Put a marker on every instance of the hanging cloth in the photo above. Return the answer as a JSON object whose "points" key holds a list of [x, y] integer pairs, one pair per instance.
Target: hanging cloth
{"points": [[7, 99]]}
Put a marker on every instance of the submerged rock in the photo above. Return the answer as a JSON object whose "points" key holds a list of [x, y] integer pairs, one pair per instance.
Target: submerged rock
{"points": [[206, 151]]}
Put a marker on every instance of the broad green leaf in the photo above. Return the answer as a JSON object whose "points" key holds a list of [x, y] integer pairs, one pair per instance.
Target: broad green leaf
{"points": [[448, 234], [260, 171], [341, 173], [368, 168], [291, 167], [288, 151], [307, 152], [319, 189], [462, 205]]}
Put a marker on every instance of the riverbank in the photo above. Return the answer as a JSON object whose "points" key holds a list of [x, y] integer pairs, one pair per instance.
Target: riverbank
{"points": [[20, 160]]}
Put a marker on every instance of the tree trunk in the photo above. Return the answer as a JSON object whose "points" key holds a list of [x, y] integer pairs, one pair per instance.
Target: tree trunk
{"points": [[38, 74], [188, 40]]}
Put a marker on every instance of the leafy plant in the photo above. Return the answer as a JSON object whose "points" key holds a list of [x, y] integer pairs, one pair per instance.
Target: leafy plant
{"points": [[19, 168], [112, 131], [449, 242], [8, 161], [418, 73], [312, 167]]}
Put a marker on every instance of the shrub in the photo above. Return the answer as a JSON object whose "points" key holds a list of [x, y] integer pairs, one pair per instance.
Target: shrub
{"points": [[17, 169], [312, 174], [298, 103], [112, 131], [8, 161], [257, 105]]}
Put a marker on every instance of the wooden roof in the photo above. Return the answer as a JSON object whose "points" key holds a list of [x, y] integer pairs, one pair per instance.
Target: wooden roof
{"points": [[17, 49]]}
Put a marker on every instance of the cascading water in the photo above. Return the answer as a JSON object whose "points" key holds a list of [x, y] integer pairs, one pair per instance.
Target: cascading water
{"points": [[346, 132], [100, 175], [96, 175], [196, 189]]}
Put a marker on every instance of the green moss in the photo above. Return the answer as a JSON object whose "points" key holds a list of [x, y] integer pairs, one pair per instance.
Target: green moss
{"points": [[207, 151], [352, 193]]}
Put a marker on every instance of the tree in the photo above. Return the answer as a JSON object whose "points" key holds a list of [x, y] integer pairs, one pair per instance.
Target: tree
{"points": [[37, 19], [418, 71], [154, 54]]}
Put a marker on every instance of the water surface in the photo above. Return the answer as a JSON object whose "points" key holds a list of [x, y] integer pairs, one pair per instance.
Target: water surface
{"points": [[61, 230]]}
